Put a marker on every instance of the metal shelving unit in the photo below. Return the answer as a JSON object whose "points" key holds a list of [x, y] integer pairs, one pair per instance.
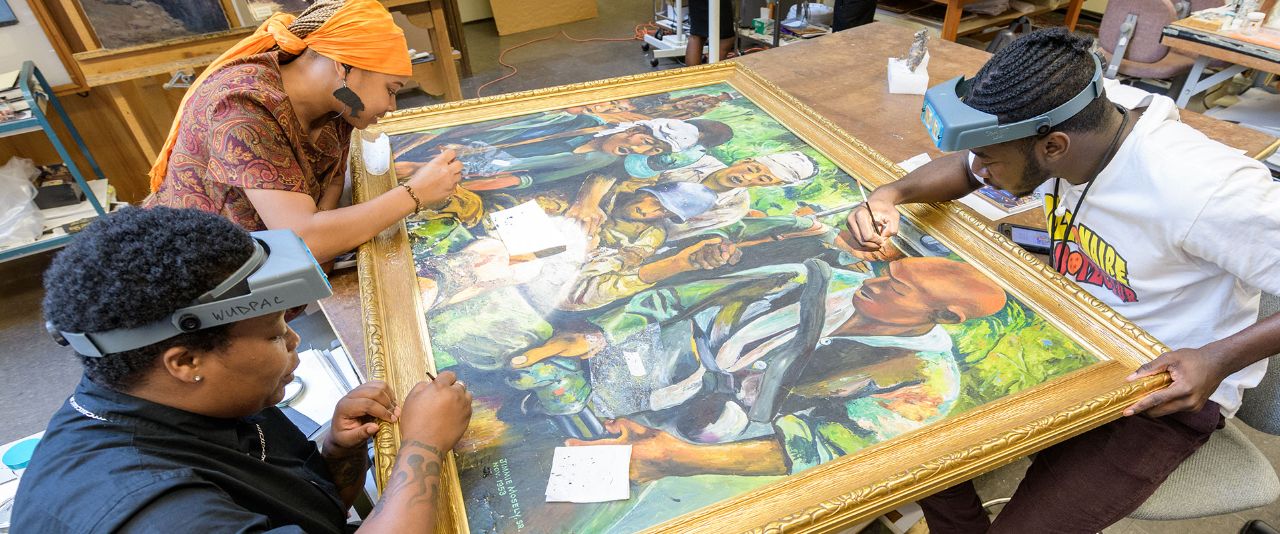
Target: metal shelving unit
{"points": [[776, 37], [38, 96]]}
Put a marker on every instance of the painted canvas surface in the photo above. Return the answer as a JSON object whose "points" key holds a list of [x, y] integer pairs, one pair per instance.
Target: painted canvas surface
{"points": [[125, 23], [700, 308], [253, 12]]}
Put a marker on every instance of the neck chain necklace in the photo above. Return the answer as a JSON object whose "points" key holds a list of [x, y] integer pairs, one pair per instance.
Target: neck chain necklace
{"points": [[1075, 213], [262, 438]]}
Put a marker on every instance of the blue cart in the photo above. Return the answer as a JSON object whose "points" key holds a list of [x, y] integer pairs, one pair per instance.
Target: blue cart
{"points": [[38, 96]]}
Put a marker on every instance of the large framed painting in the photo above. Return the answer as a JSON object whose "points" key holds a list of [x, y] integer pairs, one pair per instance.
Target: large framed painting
{"points": [[120, 24], [254, 12], [687, 293]]}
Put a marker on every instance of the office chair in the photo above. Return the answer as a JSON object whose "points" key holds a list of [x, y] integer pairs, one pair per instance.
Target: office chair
{"points": [[1130, 40], [1228, 474]]}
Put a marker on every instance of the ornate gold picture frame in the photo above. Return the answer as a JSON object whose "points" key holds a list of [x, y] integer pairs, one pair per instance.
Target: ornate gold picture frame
{"points": [[849, 488]]}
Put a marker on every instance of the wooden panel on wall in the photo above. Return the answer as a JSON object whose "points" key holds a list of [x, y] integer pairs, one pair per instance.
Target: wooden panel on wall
{"points": [[515, 16], [1095, 6], [157, 104]]}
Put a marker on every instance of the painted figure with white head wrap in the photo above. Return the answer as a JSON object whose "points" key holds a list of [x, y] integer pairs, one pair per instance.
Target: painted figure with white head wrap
{"points": [[732, 184], [677, 134]]}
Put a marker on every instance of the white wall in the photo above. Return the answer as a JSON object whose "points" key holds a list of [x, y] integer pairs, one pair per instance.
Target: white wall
{"points": [[469, 10], [26, 40]]}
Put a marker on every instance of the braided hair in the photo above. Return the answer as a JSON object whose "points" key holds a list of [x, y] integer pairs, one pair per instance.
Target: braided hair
{"points": [[314, 16], [311, 19], [1035, 74]]}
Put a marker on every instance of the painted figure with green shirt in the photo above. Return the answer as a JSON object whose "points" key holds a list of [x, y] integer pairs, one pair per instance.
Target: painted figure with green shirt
{"points": [[775, 369]]}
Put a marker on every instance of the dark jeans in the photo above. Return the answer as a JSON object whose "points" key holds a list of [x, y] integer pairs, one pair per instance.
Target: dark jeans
{"points": [[850, 13], [699, 23], [1086, 483]]}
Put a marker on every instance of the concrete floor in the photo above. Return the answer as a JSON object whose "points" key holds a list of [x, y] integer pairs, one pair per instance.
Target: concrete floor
{"points": [[559, 61], [36, 375]]}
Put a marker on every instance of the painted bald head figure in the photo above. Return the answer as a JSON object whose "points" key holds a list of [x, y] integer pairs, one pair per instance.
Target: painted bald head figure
{"points": [[916, 294]]}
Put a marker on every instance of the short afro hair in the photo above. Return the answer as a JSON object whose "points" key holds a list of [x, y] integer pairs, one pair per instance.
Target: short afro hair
{"points": [[1035, 74], [712, 133], [137, 266]]}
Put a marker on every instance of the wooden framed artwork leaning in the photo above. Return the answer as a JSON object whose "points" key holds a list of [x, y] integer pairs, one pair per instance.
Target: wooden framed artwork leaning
{"points": [[701, 308]]}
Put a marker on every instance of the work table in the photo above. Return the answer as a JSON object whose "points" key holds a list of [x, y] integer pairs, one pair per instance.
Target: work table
{"points": [[842, 77]]}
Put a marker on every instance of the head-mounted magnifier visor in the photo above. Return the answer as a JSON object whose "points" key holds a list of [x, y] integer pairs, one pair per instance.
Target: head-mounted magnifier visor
{"points": [[279, 275], [954, 125]]}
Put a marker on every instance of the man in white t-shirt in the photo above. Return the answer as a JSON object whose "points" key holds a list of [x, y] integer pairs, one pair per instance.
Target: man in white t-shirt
{"points": [[1173, 230]]}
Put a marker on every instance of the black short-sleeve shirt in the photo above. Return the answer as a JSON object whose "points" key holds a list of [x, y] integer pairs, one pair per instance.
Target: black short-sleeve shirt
{"points": [[152, 468]]}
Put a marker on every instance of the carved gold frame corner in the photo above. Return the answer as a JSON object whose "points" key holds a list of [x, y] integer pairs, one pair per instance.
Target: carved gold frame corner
{"points": [[849, 489]]}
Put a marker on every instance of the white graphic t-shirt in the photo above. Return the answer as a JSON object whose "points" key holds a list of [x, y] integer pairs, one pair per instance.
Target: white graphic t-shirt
{"points": [[1179, 234]]}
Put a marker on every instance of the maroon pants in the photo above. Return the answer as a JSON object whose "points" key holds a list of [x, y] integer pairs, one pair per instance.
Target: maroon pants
{"points": [[1086, 483]]}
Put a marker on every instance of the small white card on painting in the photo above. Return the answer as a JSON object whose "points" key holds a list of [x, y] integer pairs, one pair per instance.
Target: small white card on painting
{"points": [[590, 473], [526, 229]]}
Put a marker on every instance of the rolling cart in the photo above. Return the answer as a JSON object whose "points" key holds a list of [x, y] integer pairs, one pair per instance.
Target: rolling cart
{"points": [[37, 95], [671, 38]]}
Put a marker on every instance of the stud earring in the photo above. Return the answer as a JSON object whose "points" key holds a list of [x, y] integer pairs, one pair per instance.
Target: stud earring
{"points": [[199, 378]]}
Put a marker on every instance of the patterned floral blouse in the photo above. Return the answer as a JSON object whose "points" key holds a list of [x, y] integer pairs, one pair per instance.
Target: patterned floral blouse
{"points": [[238, 132]]}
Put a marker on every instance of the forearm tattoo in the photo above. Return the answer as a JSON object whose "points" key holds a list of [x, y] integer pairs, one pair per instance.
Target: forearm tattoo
{"points": [[416, 478]]}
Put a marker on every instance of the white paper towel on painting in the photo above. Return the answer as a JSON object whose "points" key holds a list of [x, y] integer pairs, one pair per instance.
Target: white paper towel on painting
{"points": [[590, 473], [527, 229], [376, 154]]}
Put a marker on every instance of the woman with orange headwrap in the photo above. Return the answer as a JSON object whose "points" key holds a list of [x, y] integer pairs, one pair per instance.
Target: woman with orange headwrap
{"points": [[261, 137]]}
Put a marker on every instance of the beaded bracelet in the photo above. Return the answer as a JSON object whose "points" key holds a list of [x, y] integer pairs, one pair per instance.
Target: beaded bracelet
{"points": [[417, 205]]}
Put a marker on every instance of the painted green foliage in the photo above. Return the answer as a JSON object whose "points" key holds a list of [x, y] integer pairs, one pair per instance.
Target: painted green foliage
{"points": [[756, 133], [1008, 352]]}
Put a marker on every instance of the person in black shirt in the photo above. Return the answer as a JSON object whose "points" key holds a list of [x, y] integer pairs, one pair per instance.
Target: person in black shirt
{"points": [[183, 435], [853, 13]]}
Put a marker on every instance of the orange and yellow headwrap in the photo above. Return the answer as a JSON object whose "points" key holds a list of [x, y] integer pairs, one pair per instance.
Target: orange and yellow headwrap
{"points": [[360, 33]]}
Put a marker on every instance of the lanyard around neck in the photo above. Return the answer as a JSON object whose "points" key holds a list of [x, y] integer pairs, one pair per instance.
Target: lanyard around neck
{"points": [[1075, 213]]}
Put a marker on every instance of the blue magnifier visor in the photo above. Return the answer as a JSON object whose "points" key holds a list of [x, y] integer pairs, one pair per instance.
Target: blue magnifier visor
{"points": [[279, 275], [954, 125]]}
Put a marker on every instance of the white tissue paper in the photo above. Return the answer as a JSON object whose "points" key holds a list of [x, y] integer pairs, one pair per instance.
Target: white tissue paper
{"points": [[904, 81], [376, 154]]}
